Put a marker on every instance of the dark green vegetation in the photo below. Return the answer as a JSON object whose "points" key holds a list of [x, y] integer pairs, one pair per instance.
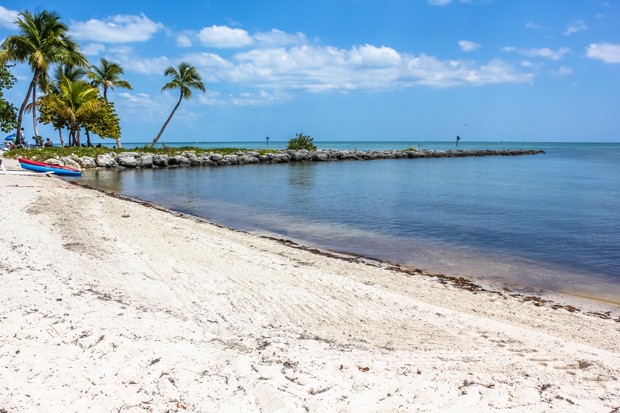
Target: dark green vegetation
{"points": [[301, 141], [8, 112], [93, 152]]}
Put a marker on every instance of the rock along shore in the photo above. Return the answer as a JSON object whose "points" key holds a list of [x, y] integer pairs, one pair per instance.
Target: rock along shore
{"points": [[190, 158]]}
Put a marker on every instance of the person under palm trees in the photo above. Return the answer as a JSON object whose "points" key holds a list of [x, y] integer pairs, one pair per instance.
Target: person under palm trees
{"points": [[185, 79]]}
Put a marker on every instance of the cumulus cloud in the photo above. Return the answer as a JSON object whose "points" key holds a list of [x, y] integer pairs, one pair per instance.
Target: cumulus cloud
{"points": [[539, 52], [126, 57], [260, 98], [184, 40], [224, 37], [143, 105], [607, 52], [367, 67], [93, 49], [468, 46], [8, 17], [116, 29], [277, 38], [574, 27]]}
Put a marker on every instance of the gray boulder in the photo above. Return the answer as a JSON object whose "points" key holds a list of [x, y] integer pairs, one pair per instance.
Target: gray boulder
{"points": [[145, 161], [70, 162], [178, 160], [127, 161], [160, 161], [87, 162], [106, 161], [54, 161]]}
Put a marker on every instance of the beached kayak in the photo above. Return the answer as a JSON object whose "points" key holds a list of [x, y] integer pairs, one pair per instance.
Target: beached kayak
{"points": [[47, 167]]}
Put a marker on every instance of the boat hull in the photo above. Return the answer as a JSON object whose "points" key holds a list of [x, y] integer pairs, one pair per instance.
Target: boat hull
{"points": [[49, 168]]}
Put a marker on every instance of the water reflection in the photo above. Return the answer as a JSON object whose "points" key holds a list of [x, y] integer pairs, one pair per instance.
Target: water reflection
{"points": [[301, 180], [302, 175]]}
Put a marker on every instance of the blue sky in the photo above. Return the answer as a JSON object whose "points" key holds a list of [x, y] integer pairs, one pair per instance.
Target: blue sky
{"points": [[410, 70]]}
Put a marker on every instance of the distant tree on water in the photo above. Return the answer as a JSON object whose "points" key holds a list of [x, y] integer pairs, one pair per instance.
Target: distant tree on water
{"points": [[301, 141]]}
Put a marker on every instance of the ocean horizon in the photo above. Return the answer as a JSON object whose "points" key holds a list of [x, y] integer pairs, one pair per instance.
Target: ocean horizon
{"points": [[531, 223]]}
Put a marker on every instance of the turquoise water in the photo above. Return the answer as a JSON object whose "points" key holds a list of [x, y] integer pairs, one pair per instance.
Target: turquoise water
{"points": [[544, 222]]}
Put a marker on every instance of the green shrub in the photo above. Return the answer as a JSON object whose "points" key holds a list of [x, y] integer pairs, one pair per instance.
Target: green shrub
{"points": [[301, 141]]}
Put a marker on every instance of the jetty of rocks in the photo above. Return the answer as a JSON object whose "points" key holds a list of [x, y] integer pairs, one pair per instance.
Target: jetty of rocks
{"points": [[190, 158]]}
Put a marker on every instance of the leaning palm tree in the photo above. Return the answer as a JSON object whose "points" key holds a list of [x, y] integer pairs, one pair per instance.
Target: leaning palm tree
{"points": [[42, 40], [185, 79], [108, 77]]}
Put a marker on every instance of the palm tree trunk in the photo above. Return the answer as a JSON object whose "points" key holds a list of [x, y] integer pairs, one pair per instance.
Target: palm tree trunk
{"points": [[87, 138], [23, 107], [62, 142], [35, 128], [105, 97], [167, 121]]}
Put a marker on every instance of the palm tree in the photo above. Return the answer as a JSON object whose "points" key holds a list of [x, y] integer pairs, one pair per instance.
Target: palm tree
{"points": [[42, 41], [63, 72], [73, 102], [108, 76], [185, 79]]}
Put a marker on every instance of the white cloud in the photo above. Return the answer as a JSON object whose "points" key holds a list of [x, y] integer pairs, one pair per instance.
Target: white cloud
{"points": [[564, 71], [211, 98], [148, 108], [368, 55], [531, 25], [574, 27], [261, 98], [183, 40], [539, 52], [116, 29], [277, 38], [607, 52], [127, 58], [213, 67], [224, 37], [93, 49], [439, 2], [8, 18], [468, 46], [319, 69]]}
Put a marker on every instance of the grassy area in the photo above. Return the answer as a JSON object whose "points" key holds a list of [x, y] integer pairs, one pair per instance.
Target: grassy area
{"points": [[57, 151]]}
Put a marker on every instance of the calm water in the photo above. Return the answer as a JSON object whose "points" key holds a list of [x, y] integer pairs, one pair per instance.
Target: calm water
{"points": [[549, 222]]}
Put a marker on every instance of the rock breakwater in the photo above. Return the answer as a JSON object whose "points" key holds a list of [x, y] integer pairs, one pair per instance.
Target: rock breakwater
{"points": [[191, 158]]}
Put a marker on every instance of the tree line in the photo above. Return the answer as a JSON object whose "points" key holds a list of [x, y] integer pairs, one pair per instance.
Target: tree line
{"points": [[73, 93]]}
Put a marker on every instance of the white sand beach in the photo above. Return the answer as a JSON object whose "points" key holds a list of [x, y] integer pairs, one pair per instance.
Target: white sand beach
{"points": [[109, 305]]}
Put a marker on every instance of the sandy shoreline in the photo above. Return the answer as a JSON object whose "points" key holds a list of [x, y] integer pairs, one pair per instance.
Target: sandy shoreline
{"points": [[109, 305]]}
